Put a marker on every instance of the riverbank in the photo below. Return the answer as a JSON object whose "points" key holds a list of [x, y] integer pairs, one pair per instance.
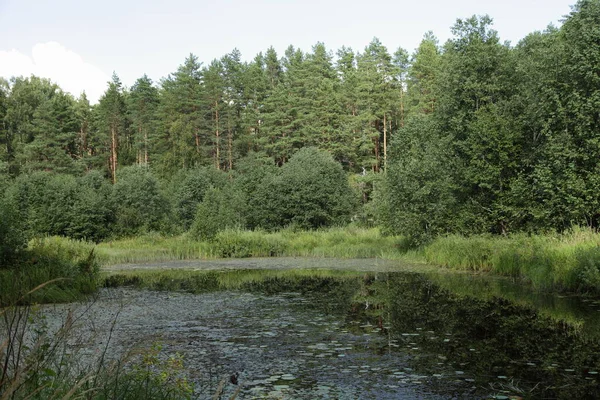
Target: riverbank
{"points": [[568, 262], [51, 270]]}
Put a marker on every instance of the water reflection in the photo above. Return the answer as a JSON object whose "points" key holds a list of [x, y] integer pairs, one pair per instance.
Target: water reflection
{"points": [[460, 328], [327, 334]]}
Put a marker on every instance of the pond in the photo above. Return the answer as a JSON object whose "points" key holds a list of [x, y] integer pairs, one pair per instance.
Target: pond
{"points": [[367, 335]]}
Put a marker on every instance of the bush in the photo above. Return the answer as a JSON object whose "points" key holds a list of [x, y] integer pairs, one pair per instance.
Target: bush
{"points": [[310, 191], [12, 235], [241, 244], [92, 215], [420, 191], [189, 189], [55, 204], [221, 209], [139, 204], [67, 270]]}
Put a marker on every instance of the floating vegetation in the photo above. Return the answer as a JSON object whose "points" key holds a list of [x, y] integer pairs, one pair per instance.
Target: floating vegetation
{"points": [[332, 334]]}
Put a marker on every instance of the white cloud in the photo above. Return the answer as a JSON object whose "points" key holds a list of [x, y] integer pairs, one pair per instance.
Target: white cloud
{"points": [[54, 61]]}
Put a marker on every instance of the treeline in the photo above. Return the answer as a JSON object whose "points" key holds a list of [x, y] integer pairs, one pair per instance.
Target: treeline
{"points": [[212, 115], [310, 191], [472, 136], [510, 140]]}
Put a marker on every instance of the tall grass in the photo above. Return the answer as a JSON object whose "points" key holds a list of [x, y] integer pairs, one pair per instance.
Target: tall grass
{"points": [[346, 242], [37, 363], [152, 247], [569, 261], [66, 271]]}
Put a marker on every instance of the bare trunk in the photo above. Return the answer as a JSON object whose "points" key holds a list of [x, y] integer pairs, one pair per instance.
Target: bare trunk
{"points": [[197, 136], [229, 145], [146, 148], [377, 156], [113, 155], [384, 142], [139, 157], [218, 145], [401, 107]]}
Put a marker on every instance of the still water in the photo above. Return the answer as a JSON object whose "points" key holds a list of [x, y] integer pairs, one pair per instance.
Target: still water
{"points": [[385, 335]]}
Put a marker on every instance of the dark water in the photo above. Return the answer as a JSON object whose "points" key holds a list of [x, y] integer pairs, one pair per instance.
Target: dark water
{"points": [[367, 335]]}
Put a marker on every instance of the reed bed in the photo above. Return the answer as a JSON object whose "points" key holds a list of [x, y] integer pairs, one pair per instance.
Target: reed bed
{"points": [[562, 262], [568, 261]]}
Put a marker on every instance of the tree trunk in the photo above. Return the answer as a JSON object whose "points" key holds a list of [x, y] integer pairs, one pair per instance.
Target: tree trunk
{"points": [[229, 145], [376, 149], [384, 142], [401, 107], [146, 148], [113, 156], [197, 134], [218, 144]]}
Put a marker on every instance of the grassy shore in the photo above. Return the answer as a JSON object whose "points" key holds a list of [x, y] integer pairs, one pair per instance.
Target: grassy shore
{"points": [[556, 262], [562, 262], [335, 242], [51, 270]]}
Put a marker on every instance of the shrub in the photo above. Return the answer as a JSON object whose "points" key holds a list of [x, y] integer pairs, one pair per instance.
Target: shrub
{"points": [[220, 209], [189, 189], [12, 235], [139, 204], [310, 191], [55, 204], [420, 185]]}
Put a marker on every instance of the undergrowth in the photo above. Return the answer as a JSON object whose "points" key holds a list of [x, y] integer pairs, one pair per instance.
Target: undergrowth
{"points": [[59, 270]]}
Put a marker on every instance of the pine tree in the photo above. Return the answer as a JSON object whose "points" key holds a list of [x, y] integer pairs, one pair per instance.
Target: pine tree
{"points": [[183, 144], [214, 90], [143, 104], [111, 122]]}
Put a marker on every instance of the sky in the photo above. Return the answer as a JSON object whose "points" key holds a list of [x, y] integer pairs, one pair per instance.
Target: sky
{"points": [[80, 43]]}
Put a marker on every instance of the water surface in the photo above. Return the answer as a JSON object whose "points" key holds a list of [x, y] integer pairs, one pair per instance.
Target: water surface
{"points": [[361, 335]]}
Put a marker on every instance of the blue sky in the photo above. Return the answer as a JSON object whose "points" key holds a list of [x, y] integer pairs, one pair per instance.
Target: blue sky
{"points": [[79, 43]]}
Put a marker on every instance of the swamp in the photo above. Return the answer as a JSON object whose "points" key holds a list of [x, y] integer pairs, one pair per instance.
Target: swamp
{"points": [[298, 328]]}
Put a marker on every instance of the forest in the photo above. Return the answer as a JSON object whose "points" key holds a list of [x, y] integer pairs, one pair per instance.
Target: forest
{"points": [[472, 136]]}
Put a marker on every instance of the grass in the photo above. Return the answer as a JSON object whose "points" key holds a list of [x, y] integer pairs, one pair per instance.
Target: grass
{"points": [[37, 363], [555, 262], [335, 242], [562, 262], [51, 270]]}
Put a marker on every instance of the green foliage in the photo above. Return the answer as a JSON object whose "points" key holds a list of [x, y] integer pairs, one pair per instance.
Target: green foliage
{"points": [[64, 271], [556, 262], [241, 244], [12, 234], [188, 193], [54, 204], [420, 193], [310, 191], [188, 189], [348, 242], [92, 216], [220, 209], [138, 202], [111, 124], [368, 187], [479, 136]]}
